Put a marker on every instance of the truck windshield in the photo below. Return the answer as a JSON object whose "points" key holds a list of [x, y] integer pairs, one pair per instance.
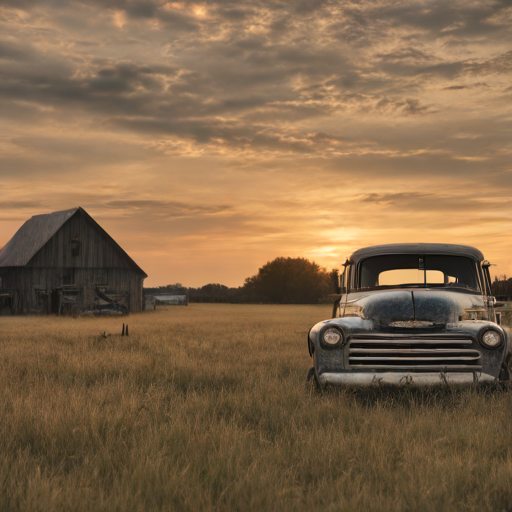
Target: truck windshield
{"points": [[417, 270]]}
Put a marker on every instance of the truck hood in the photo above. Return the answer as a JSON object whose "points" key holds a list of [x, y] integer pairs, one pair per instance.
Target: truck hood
{"points": [[404, 308]]}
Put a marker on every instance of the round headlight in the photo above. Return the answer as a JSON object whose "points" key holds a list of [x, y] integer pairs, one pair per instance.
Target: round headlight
{"points": [[491, 339], [332, 337]]}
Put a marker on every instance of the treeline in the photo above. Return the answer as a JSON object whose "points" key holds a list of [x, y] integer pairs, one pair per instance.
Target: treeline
{"points": [[281, 281], [502, 287], [286, 281]]}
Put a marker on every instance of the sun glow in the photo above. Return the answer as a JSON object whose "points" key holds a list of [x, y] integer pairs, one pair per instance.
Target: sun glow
{"points": [[119, 19], [200, 11]]}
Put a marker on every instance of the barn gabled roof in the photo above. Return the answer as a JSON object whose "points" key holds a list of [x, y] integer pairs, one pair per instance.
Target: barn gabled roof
{"points": [[31, 237], [37, 231]]}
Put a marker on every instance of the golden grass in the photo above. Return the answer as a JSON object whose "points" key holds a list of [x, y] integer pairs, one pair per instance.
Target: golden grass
{"points": [[206, 408]]}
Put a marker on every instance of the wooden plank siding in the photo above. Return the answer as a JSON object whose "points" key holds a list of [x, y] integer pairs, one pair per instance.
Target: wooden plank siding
{"points": [[23, 283], [100, 261], [96, 249]]}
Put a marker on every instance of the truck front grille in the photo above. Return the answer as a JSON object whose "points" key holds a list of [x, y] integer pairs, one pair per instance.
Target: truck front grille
{"points": [[429, 353]]}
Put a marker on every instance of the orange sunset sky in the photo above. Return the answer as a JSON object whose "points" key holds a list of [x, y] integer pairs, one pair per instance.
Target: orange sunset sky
{"points": [[210, 137]]}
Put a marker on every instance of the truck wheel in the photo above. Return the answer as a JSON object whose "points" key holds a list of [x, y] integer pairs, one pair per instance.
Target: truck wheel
{"points": [[312, 376], [505, 377]]}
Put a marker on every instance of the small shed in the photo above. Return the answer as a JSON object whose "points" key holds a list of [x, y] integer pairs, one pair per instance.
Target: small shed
{"points": [[66, 263], [166, 300]]}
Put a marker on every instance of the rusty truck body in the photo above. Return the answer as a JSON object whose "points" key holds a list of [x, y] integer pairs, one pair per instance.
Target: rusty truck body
{"points": [[419, 314]]}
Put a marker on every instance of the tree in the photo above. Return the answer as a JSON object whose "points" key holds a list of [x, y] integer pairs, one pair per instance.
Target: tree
{"points": [[214, 290], [288, 281]]}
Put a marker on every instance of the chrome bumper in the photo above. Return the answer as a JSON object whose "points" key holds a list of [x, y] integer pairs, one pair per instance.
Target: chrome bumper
{"points": [[406, 378]]}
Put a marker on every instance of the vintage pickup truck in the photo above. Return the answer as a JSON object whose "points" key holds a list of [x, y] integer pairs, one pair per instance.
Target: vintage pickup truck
{"points": [[420, 314]]}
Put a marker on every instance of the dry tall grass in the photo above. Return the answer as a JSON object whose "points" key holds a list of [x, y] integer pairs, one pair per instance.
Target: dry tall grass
{"points": [[206, 408]]}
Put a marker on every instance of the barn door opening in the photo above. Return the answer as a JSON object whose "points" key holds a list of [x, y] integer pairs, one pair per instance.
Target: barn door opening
{"points": [[54, 302]]}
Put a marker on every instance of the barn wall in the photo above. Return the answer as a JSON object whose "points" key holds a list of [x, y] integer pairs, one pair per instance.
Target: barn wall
{"points": [[26, 284], [20, 283]]}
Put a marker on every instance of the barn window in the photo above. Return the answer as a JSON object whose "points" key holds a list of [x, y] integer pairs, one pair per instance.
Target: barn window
{"points": [[41, 297], [68, 276], [75, 247]]}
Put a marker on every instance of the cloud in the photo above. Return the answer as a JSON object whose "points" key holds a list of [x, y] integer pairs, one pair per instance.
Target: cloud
{"points": [[164, 209], [409, 54], [429, 202], [407, 106], [10, 51], [258, 127], [19, 205], [501, 64], [466, 86]]}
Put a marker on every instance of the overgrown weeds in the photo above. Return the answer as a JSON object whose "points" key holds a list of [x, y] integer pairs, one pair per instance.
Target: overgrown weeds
{"points": [[206, 408]]}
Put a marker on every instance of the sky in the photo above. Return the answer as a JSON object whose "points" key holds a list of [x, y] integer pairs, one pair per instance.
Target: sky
{"points": [[209, 138]]}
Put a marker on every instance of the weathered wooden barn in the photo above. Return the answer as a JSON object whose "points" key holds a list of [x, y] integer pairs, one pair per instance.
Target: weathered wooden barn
{"points": [[66, 263]]}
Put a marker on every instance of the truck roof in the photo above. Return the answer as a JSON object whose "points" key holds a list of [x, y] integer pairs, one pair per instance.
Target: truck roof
{"points": [[448, 249]]}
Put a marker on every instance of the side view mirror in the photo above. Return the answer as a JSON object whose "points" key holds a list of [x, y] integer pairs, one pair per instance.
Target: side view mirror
{"points": [[336, 283]]}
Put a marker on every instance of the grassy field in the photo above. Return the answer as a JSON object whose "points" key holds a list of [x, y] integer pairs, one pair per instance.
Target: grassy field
{"points": [[206, 408]]}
